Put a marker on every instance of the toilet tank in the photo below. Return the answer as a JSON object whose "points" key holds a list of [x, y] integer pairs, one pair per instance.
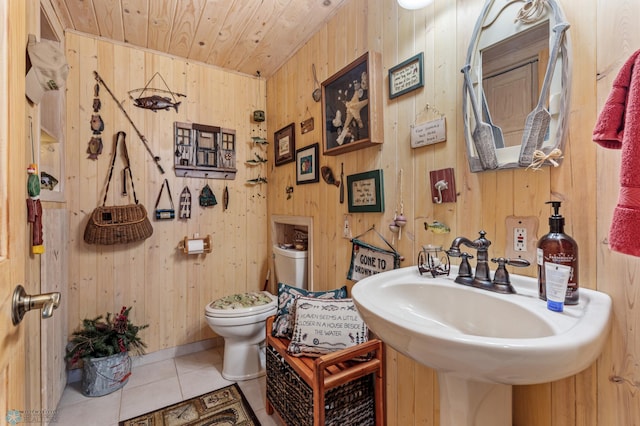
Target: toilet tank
{"points": [[291, 266]]}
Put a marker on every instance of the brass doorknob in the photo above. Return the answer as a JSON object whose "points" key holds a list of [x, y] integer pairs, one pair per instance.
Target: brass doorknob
{"points": [[23, 303]]}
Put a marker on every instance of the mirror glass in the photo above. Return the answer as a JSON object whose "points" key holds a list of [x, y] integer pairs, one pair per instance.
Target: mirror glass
{"points": [[516, 83]]}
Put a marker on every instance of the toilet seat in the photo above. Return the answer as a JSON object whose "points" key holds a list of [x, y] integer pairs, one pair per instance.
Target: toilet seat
{"points": [[241, 305]]}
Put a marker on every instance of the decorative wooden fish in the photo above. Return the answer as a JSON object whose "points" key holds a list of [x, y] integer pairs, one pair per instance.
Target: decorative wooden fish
{"points": [[327, 175], [437, 227], [155, 103]]}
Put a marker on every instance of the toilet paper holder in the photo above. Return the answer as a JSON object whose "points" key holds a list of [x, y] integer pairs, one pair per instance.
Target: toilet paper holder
{"points": [[195, 245]]}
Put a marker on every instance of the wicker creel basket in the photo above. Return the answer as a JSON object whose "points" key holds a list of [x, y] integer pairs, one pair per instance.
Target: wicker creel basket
{"points": [[118, 225]]}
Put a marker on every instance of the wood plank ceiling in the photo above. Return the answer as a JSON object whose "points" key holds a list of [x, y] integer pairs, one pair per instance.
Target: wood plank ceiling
{"points": [[248, 36]]}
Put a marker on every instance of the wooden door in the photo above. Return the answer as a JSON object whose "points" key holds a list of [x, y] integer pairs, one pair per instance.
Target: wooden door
{"points": [[510, 99], [12, 206]]}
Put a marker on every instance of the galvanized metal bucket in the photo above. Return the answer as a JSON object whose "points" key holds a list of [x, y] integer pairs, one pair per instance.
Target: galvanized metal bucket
{"points": [[101, 376]]}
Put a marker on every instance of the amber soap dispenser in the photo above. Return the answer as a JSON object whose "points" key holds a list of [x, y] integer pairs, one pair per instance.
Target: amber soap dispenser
{"points": [[558, 247]]}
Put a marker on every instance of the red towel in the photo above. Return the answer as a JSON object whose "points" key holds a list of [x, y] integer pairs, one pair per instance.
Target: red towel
{"points": [[618, 127]]}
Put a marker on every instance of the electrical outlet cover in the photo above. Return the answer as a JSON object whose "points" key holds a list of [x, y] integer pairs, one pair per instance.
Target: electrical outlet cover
{"points": [[522, 238]]}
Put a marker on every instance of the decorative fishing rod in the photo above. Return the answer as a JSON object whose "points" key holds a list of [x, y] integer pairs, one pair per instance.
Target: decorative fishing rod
{"points": [[156, 159]]}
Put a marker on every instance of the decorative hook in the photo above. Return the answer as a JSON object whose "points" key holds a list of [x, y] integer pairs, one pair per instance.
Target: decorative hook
{"points": [[440, 185]]}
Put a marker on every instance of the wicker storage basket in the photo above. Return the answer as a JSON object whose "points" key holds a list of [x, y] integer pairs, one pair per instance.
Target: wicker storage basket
{"points": [[352, 403], [118, 225]]}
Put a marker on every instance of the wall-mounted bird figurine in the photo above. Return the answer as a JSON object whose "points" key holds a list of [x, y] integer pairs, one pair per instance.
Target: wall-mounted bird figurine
{"points": [[97, 125], [95, 147]]}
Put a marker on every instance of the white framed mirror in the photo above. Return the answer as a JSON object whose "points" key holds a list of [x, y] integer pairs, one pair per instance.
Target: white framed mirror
{"points": [[516, 85]]}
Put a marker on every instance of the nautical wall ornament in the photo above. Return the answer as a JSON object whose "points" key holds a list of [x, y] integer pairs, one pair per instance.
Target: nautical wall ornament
{"points": [[207, 197], [156, 102], [97, 126], [165, 214], [367, 259], [185, 203], [204, 151], [258, 116], [156, 159]]}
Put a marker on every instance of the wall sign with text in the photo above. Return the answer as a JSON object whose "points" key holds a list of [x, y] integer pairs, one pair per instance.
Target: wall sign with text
{"points": [[366, 192], [406, 76]]}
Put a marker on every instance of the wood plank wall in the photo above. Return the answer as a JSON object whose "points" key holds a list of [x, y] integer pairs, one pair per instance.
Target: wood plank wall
{"points": [[168, 289], [603, 34]]}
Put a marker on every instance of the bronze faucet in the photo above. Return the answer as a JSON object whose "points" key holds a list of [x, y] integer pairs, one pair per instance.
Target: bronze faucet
{"points": [[482, 278]]}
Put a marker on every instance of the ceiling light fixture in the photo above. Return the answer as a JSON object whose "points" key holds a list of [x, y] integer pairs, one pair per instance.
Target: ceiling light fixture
{"points": [[414, 4]]}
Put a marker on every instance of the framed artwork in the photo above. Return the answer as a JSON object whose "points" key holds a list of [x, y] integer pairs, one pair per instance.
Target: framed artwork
{"points": [[406, 76], [352, 106], [307, 164], [285, 144], [366, 193]]}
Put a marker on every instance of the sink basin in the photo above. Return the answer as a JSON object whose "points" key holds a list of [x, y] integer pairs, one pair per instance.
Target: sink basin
{"points": [[475, 338]]}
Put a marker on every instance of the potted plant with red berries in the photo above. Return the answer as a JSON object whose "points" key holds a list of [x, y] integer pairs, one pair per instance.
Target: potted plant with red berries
{"points": [[104, 344]]}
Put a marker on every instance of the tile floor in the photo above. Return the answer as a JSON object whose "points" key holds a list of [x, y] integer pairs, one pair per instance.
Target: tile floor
{"points": [[156, 385]]}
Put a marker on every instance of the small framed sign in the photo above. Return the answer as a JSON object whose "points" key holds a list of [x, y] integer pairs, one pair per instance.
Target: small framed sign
{"points": [[365, 192], [406, 76], [285, 144]]}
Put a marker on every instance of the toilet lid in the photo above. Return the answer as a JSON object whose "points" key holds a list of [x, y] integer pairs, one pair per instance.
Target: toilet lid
{"points": [[242, 304]]}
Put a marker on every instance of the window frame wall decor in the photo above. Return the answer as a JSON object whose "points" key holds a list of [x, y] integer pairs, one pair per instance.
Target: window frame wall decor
{"points": [[352, 99], [204, 151]]}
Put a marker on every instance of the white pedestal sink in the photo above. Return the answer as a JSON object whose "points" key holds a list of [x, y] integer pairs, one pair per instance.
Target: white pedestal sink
{"points": [[481, 343]]}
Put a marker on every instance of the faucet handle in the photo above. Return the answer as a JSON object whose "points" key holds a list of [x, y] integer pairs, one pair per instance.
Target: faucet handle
{"points": [[520, 263], [464, 270], [501, 282]]}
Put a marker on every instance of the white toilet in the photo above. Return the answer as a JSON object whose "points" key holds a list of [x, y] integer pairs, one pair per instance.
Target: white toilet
{"points": [[291, 266], [240, 319]]}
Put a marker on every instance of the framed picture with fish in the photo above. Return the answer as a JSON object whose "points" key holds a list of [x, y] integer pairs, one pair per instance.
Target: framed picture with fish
{"points": [[307, 164], [366, 192], [352, 106], [285, 144]]}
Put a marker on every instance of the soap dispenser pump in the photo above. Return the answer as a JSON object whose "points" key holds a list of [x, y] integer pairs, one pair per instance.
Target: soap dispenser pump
{"points": [[558, 247]]}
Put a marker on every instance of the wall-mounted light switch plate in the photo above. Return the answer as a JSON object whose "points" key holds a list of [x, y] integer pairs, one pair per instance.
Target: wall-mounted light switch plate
{"points": [[444, 195], [522, 238], [346, 227]]}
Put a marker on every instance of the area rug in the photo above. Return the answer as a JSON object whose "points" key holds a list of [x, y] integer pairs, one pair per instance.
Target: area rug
{"points": [[223, 407]]}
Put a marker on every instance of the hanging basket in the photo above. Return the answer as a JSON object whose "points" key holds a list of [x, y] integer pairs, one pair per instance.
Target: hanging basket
{"points": [[101, 376]]}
